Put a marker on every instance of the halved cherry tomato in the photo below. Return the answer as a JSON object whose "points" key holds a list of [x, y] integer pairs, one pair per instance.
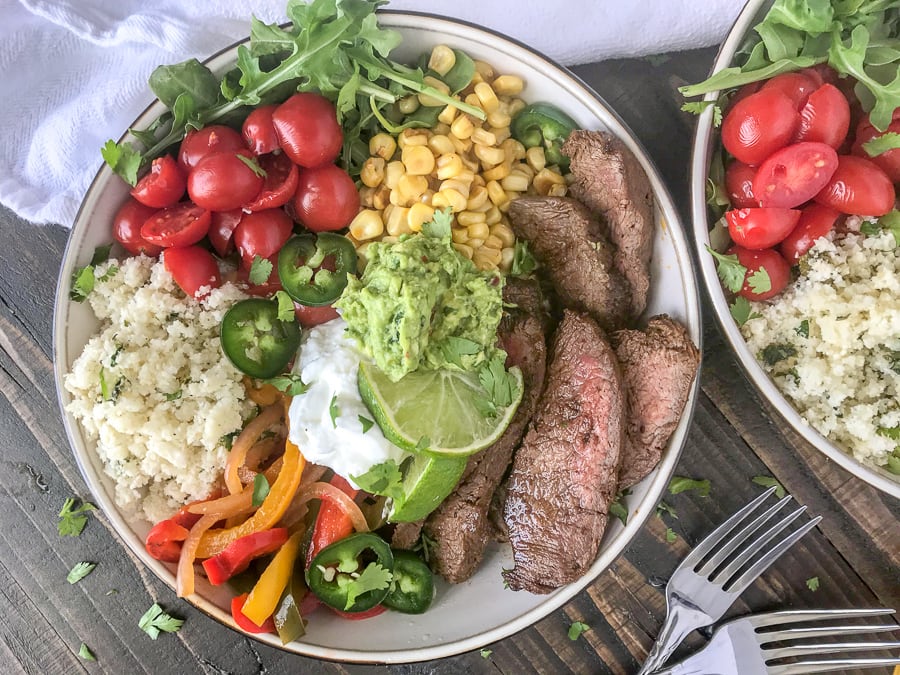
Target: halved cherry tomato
{"points": [[760, 228], [221, 228], [245, 624], [888, 161], [759, 125], [742, 93], [280, 184], [739, 185], [326, 198], [308, 130], [262, 233], [180, 225], [162, 186], [225, 180], [207, 141], [193, 268], [770, 260], [259, 131], [313, 316], [793, 175], [127, 224], [815, 221], [858, 187], [797, 86], [825, 118]]}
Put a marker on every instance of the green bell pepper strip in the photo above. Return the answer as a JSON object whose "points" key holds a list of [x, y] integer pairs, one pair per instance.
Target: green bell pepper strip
{"points": [[544, 125], [313, 268], [413, 587], [336, 574], [255, 340]]}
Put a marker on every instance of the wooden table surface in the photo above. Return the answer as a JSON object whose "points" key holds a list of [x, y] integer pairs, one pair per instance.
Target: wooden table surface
{"points": [[854, 552]]}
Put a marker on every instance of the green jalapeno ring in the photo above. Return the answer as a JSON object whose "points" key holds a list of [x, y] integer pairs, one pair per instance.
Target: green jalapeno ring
{"points": [[331, 573], [302, 270]]}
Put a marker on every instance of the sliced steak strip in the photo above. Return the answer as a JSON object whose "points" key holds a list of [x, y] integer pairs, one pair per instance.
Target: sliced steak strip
{"points": [[659, 365], [460, 526], [565, 474], [578, 260], [612, 183], [406, 535]]}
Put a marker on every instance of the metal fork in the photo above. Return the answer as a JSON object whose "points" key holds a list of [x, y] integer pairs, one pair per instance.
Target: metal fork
{"points": [[698, 597], [739, 647]]}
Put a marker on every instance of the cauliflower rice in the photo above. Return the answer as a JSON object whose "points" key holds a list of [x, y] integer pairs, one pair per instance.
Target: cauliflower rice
{"points": [[831, 343], [154, 389]]}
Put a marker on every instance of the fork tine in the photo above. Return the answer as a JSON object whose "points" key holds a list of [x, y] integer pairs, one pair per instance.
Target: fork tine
{"points": [[740, 538], [823, 631], [752, 549], [714, 538], [824, 649], [763, 563], [804, 667], [798, 615]]}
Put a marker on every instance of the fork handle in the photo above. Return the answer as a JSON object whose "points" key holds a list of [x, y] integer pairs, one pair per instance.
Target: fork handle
{"points": [[680, 622]]}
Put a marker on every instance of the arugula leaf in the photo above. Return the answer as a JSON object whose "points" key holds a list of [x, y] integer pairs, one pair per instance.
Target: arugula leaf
{"points": [[80, 571], [290, 384], [698, 107], [285, 304], [260, 270], [73, 519], [366, 423], [373, 578], [85, 653], [576, 629], [439, 226], [730, 271], [191, 76], [680, 484], [741, 311], [812, 583], [260, 489], [334, 411], [524, 263], [384, 479], [767, 482], [759, 281], [155, 620], [671, 535], [882, 144]]}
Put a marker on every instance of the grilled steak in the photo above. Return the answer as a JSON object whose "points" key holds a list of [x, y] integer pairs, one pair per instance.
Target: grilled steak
{"points": [[406, 535], [460, 526], [611, 182], [658, 367], [565, 473], [568, 242]]}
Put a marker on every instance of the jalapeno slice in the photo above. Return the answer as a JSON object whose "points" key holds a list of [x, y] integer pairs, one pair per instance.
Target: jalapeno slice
{"points": [[313, 268], [255, 340], [353, 574], [413, 587], [544, 125]]}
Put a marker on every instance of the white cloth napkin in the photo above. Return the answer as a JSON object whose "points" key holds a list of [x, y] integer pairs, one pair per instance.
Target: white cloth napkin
{"points": [[73, 73]]}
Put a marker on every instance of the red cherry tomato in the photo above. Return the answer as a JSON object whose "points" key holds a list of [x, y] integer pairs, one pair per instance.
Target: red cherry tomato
{"points": [[743, 93], [739, 185], [759, 125], [768, 259], [888, 161], [162, 186], [245, 623], [793, 175], [127, 224], [259, 131], [314, 316], [357, 616], [180, 225], [858, 187], [326, 198], [221, 228], [262, 233], [280, 184], [815, 221], [192, 268], [825, 118], [224, 181], [308, 130], [797, 86], [267, 287], [207, 141], [760, 228]]}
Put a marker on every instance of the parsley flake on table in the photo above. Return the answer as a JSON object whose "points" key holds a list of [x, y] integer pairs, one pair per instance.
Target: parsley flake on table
{"points": [[260, 489], [663, 508], [671, 535], [261, 269], [812, 583], [73, 519], [680, 484], [373, 578], [767, 482], [730, 271], [382, 479], [486, 653], [155, 620], [576, 629], [80, 571], [85, 653], [334, 411]]}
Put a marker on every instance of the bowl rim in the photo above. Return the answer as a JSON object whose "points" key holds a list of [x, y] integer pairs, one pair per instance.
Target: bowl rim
{"points": [[658, 481], [700, 157]]}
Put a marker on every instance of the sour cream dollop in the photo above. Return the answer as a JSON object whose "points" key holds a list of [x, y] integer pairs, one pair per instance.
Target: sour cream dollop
{"points": [[328, 362]]}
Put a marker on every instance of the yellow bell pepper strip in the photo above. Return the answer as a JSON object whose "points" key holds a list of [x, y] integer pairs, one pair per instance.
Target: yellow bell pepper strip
{"points": [[264, 597], [268, 513]]}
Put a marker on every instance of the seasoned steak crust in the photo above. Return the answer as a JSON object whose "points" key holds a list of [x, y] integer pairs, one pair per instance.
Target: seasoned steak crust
{"points": [[575, 255], [565, 473], [659, 365], [610, 181]]}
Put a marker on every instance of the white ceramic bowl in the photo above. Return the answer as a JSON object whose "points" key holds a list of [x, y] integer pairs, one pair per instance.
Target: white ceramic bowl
{"points": [[705, 142], [480, 611]]}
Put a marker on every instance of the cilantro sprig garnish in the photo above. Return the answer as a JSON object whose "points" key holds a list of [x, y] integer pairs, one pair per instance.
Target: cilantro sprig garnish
{"points": [[156, 621], [80, 571], [260, 270], [680, 484], [729, 269], [384, 479], [373, 578], [72, 519], [500, 386]]}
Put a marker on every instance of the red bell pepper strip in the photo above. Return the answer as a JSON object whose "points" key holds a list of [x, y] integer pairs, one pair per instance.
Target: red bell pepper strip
{"points": [[332, 523], [238, 554], [164, 539], [245, 624]]}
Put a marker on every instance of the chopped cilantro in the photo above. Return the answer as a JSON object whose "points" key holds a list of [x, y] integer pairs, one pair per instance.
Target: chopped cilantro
{"points": [[812, 583], [767, 482], [382, 479], [285, 306], [366, 423], [260, 270], [501, 387], [882, 144], [741, 311], [803, 329], [671, 536], [85, 653], [576, 629], [524, 263], [890, 432], [290, 384], [663, 508], [373, 578], [454, 348], [486, 653], [260, 489], [155, 620], [759, 281], [698, 107], [772, 354], [82, 283], [72, 520], [891, 221], [439, 227], [253, 164], [618, 508], [101, 254], [334, 411], [174, 396], [426, 545], [893, 463], [730, 271], [680, 484], [228, 439], [123, 159], [80, 571], [870, 228]]}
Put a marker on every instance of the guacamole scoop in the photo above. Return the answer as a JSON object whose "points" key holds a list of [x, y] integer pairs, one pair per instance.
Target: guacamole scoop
{"points": [[421, 304]]}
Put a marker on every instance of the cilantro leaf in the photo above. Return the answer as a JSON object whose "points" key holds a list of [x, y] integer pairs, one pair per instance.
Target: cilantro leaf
{"points": [[174, 396], [882, 144], [72, 520], [767, 482], [155, 620], [486, 653], [366, 423], [812, 583], [85, 653], [500, 386], [576, 629], [384, 479], [618, 507], [524, 263], [891, 221], [741, 311], [664, 508], [80, 571], [253, 164], [101, 254], [285, 306], [439, 226], [759, 281], [454, 348], [260, 489], [83, 281], [123, 159], [730, 271], [671, 536], [260, 270], [680, 484], [698, 107], [373, 578], [772, 354], [290, 384], [334, 411], [803, 329]]}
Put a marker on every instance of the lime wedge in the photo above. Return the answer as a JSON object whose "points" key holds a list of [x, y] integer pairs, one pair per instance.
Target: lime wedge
{"points": [[426, 483], [440, 412]]}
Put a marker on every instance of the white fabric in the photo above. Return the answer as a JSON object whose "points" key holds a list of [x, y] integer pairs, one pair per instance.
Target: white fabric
{"points": [[73, 73]]}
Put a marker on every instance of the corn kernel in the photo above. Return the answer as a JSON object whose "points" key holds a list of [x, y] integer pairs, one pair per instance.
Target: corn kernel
{"points": [[535, 158], [503, 232], [461, 145], [459, 235], [471, 165], [493, 216], [410, 188], [508, 85], [440, 145], [460, 184], [486, 70], [449, 165], [462, 127], [418, 215], [487, 97], [397, 222], [495, 192], [366, 197], [478, 197], [497, 173], [523, 169], [382, 145], [475, 243], [449, 198], [514, 150], [488, 155], [501, 133], [483, 137], [557, 191], [392, 173], [442, 60], [367, 225], [499, 118], [372, 172], [435, 83], [387, 239], [418, 160], [382, 197], [472, 99], [447, 115], [440, 129], [486, 258], [546, 179], [515, 106], [507, 255], [493, 242], [477, 230], [464, 249]]}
